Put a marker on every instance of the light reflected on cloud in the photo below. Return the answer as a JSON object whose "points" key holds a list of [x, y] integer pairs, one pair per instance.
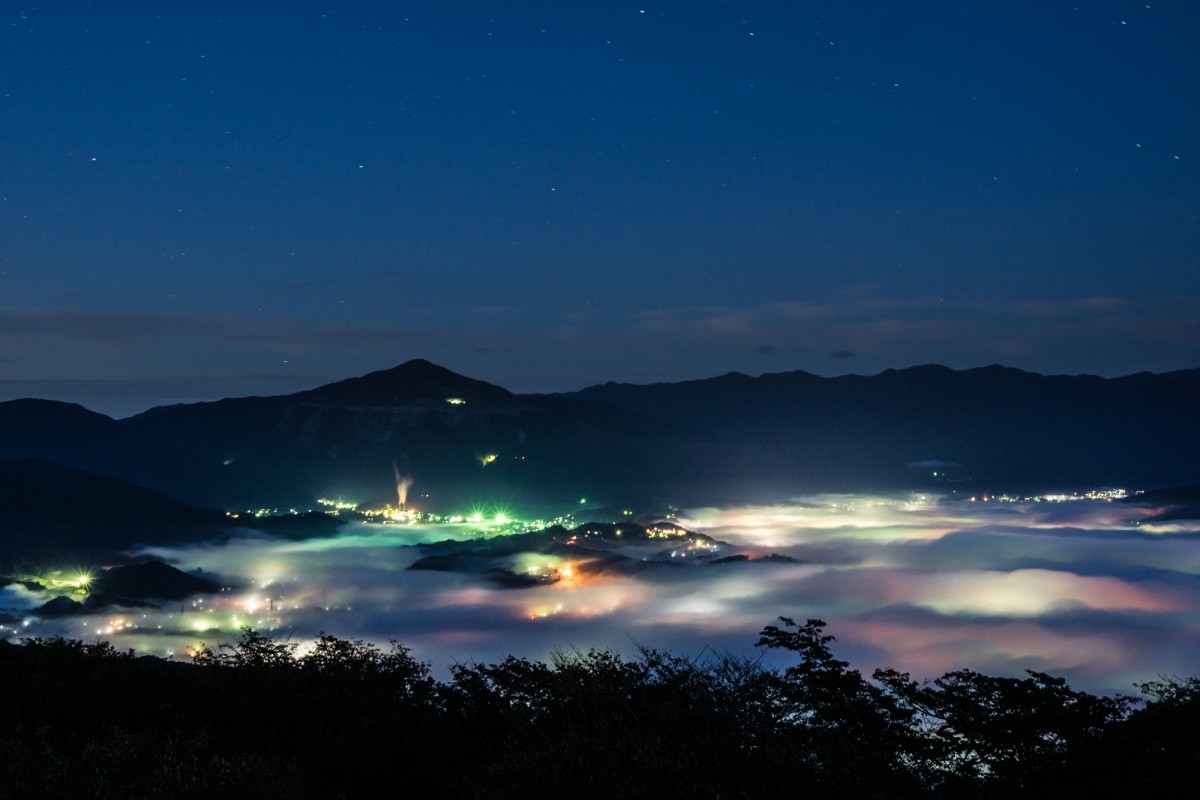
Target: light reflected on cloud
{"points": [[1092, 590]]}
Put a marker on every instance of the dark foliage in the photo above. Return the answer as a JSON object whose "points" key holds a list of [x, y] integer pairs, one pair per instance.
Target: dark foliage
{"points": [[262, 717]]}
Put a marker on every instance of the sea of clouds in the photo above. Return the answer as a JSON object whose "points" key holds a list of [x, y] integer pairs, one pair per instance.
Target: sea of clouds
{"points": [[1095, 591]]}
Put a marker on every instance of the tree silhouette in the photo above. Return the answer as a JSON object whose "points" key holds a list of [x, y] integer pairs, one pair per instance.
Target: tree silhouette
{"points": [[264, 717]]}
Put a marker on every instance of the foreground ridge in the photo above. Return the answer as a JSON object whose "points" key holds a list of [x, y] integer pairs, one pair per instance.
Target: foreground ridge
{"points": [[323, 721]]}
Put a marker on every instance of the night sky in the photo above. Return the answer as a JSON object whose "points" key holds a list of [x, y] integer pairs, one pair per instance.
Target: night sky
{"points": [[209, 199]]}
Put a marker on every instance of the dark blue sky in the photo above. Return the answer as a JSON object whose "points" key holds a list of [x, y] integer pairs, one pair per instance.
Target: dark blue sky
{"points": [[199, 199]]}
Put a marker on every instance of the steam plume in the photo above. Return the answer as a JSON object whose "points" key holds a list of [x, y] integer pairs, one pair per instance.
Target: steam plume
{"points": [[402, 484]]}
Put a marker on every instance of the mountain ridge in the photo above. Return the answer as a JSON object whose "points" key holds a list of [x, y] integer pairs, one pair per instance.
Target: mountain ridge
{"points": [[724, 438]]}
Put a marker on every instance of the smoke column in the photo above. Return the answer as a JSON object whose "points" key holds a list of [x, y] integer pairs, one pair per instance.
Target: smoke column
{"points": [[402, 484]]}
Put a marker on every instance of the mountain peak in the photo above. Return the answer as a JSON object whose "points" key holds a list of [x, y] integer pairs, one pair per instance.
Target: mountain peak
{"points": [[415, 382]]}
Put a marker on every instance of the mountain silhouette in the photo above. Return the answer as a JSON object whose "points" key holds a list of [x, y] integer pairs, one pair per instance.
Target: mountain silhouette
{"points": [[730, 438], [459, 439], [999, 426], [47, 508], [414, 383]]}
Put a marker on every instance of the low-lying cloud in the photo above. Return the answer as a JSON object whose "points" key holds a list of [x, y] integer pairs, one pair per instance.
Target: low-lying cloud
{"points": [[1091, 590]]}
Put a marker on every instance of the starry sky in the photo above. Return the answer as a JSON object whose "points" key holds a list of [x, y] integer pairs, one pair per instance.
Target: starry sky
{"points": [[218, 198]]}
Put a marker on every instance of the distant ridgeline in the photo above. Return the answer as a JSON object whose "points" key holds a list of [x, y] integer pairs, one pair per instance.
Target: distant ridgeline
{"points": [[732, 438]]}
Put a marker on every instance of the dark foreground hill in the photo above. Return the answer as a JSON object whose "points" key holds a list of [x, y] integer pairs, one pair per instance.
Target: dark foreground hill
{"points": [[71, 435], [48, 509], [49, 512]]}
